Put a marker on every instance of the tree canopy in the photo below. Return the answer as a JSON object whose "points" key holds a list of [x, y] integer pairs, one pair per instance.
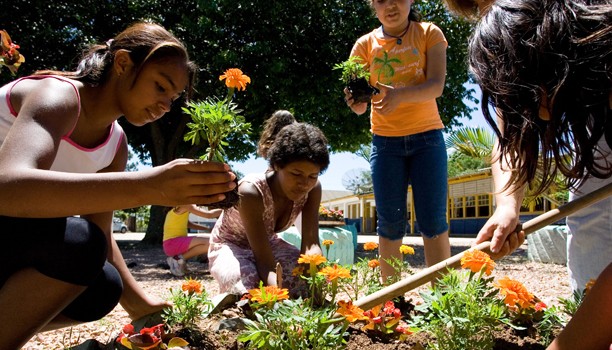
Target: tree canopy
{"points": [[288, 48]]}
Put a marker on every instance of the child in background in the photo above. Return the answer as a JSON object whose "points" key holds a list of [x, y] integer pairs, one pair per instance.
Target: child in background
{"points": [[244, 245], [178, 246]]}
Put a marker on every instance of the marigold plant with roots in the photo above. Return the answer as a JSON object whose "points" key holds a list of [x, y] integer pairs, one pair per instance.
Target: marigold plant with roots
{"points": [[214, 120]]}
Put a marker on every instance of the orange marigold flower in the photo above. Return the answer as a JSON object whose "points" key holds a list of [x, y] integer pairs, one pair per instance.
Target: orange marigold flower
{"points": [[514, 292], [9, 54], [332, 273], [235, 79], [404, 249], [316, 259], [589, 285], [370, 245], [268, 294], [351, 312], [297, 271], [374, 263], [327, 242], [475, 260], [192, 286]]}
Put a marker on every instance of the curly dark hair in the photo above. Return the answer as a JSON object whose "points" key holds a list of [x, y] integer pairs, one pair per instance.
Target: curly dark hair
{"points": [[298, 142], [271, 127], [554, 54]]}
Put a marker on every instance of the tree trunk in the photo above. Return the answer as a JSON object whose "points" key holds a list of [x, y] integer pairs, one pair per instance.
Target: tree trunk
{"points": [[155, 230]]}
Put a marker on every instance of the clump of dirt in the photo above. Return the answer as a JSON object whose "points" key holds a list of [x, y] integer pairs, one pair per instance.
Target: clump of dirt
{"points": [[361, 90]]}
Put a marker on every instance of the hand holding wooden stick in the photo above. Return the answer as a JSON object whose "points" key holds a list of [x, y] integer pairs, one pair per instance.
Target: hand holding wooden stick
{"points": [[433, 272]]}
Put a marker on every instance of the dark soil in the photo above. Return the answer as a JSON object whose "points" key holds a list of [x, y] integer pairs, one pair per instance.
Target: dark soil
{"points": [[211, 338], [231, 199], [361, 90]]}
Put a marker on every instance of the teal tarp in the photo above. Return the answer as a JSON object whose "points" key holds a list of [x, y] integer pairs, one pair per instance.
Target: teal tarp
{"points": [[343, 249]]}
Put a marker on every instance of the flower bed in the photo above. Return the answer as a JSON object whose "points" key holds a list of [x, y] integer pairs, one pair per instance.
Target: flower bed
{"points": [[548, 281], [509, 304]]}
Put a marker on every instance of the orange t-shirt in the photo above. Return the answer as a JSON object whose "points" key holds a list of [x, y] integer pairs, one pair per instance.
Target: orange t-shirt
{"points": [[398, 66]]}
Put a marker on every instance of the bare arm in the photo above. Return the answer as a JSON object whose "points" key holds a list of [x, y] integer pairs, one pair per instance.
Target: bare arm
{"points": [[29, 189], [508, 198], [133, 299], [251, 213], [310, 222], [205, 213]]}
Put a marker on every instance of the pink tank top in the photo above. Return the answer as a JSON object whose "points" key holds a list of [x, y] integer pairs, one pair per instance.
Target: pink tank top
{"points": [[70, 157]]}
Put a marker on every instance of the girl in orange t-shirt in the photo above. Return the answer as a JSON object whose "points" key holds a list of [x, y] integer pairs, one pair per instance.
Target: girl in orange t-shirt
{"points": [[406, 59]]}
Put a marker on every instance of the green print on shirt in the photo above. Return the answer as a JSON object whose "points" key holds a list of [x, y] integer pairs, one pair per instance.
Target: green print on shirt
{"points": [[385, 67]]}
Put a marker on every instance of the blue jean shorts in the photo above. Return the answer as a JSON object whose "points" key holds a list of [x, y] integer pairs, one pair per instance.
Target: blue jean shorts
{"points": [[419, 160]]}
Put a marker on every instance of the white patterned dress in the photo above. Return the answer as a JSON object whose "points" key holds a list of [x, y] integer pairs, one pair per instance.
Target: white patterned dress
{"points": [[230, 257]]}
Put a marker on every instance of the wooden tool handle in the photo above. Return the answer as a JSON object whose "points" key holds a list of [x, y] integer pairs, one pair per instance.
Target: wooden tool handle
{"points": [[432, 272]]}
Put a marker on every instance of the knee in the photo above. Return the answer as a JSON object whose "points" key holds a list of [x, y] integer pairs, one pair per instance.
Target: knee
{"points": [[88, 243], [99, 298], [80, 257], [391, 230]]}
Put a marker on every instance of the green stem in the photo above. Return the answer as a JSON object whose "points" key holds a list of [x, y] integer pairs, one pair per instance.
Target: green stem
{"points": [[230, 94], [334, 291]]}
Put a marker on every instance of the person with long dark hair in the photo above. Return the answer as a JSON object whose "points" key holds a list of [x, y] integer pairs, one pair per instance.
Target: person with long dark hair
{"points": [[62, 163], [546, 68]]}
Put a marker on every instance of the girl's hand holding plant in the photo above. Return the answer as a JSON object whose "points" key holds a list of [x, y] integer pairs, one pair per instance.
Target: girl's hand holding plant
{"points": [[206, 180], [213, 120], [355, 76]]}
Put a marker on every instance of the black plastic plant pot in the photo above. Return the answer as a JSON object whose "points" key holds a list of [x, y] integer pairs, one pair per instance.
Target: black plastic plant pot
{"points": [[361, 90]]}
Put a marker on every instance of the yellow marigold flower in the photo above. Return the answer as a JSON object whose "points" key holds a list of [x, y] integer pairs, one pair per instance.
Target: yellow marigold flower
{"points": [[316, 259], [370, 245], [351, 312], [327, 242], [332, 273], [192, 286], [297, 271], [268, 294], [235, 79], [404, 249], [475, 260], [589, 285], [374, 263], [514, 292]]}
